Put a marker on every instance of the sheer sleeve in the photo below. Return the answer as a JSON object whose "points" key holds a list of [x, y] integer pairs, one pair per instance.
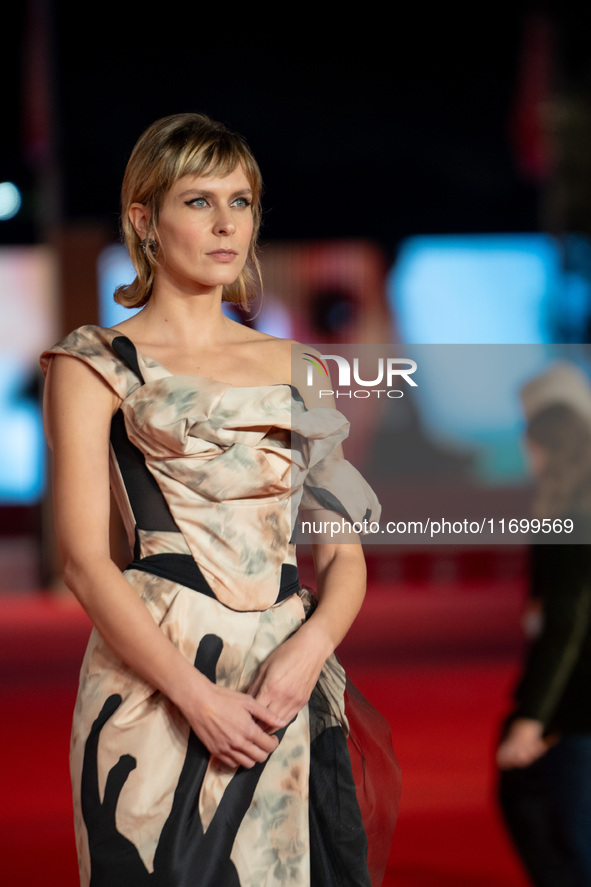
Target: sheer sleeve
{"points": [[331, 483]]}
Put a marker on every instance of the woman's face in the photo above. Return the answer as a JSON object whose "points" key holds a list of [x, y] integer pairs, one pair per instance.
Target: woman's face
{"points": [[537, 457], [204, 231]]}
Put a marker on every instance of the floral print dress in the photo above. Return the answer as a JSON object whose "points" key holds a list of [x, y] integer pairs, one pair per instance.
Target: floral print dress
{"points": [[208, 478]]}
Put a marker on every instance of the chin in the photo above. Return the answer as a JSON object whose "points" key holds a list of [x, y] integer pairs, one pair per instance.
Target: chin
{"points": [[207, 285]]}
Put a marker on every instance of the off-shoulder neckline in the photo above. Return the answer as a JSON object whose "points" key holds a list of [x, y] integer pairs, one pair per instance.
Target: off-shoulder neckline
{"points": [[152, 360]]}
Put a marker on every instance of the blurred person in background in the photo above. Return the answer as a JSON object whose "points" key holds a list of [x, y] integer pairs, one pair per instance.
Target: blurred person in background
{"points": [[545, 753]]}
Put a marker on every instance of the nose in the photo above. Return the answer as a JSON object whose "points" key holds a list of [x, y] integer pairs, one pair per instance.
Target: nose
{"points": [[224, 223]]}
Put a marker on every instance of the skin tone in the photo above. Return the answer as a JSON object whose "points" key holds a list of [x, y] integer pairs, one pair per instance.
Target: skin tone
{"points": [[203, 234], [523, 744]]}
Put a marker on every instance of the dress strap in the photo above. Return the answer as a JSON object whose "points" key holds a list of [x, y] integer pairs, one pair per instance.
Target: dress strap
{"points": [[128, 353]]}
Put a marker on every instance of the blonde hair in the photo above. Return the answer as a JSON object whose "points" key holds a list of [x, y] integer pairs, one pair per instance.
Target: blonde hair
{"points": [[173, 147], [565, 482]]}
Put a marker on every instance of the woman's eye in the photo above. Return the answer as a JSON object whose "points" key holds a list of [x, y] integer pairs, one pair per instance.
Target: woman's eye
{"points": [[242, 201], [197, 201]]}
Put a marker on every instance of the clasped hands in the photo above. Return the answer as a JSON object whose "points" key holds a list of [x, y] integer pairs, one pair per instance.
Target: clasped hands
{"points": [[238, 728]]}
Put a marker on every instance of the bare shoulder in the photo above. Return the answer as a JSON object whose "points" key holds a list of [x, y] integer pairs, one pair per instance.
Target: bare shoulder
{"points": [[71, 386]]}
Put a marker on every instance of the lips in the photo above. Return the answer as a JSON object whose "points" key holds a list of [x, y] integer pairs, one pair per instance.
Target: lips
{"points": [[223, 255]]}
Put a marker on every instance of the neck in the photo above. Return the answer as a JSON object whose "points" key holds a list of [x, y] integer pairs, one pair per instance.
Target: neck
{"points": [[183, 320]]}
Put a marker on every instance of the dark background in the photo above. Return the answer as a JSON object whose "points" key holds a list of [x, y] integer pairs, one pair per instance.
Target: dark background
{"points": [[361, 128]]}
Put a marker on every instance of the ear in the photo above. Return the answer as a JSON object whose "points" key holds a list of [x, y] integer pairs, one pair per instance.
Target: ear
{"points": [[139, 216]]}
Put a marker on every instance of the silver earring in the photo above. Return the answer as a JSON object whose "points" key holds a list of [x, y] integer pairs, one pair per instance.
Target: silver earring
{"points": [[148, 244]]}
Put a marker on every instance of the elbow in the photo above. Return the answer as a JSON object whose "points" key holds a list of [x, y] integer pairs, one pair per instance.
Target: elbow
{"points": [[79, 574], [346, 553], [346, 561], [74, 574]]}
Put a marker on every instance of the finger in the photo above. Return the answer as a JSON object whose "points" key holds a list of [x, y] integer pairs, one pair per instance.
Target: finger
{"points": [[256, 753], [250, 733], [284, 708], [247, 756], [261, 713], [266, 742], [223, 763], [232, 761], [255, 686], [289, 713], [272, 701], [261, 694]]}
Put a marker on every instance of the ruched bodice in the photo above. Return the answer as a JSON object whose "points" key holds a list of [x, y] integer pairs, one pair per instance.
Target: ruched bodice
{"points": [[234, 464]]}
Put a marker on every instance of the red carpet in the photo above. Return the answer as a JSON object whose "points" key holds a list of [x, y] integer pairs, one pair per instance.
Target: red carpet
{"points": [[437, 663]]}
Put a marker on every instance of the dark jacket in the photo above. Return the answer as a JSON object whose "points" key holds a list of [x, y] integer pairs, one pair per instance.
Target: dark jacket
{"points": [[555, 686]]}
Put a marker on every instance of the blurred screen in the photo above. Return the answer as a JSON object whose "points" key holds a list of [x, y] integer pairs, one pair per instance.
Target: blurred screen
{"points": [[497, 289], [28, 298], [500, 289]]}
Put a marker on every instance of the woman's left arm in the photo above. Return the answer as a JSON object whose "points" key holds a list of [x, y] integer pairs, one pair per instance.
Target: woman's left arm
{"points": [[286, 679]]}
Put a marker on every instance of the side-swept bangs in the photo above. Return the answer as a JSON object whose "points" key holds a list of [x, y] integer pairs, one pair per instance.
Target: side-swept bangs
{"points": [[171, 148]]}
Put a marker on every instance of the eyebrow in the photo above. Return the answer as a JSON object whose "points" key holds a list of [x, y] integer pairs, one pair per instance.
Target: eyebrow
{"points": [[203, 192]]}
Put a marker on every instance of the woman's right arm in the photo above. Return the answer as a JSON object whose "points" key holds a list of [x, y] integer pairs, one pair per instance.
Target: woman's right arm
{"points": [[78, 408]]}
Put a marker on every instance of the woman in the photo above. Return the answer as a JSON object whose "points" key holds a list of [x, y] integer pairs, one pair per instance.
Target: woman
{"points": [[209, 691], [545, 754]]}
